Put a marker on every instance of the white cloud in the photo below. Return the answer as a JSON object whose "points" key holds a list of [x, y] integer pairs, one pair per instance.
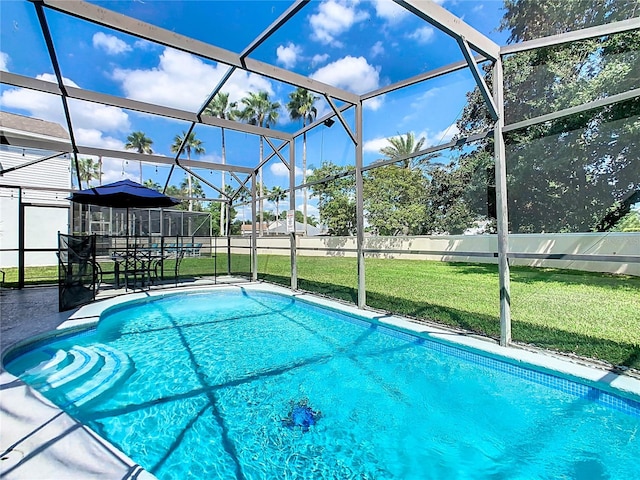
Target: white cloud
{"points": [[319, 58], [431, 139], [182, 80], [374, 104], [350, 73], [279, 169], [144, 44], [422, 35], [390, 11], [92, 137], [377, 49], [288, 56], [110, 44], [375, 144], [421, 104], [4, 61], [436, 138], [115, 169], [334, 17], [85, 115]]}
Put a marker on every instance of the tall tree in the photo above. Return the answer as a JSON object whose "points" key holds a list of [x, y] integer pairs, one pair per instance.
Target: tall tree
{"points": [[221, 107], [139, 142], [192, 144], [403, 145], [89, 170], [261, 111], [276, 195], [196, 192], [336, 198], [152, 185], [394, 200], [301, 106], [566, 175]]}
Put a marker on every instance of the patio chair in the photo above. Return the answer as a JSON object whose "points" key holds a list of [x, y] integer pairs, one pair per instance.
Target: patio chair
{"points": [[136, 269], [158, 269]]}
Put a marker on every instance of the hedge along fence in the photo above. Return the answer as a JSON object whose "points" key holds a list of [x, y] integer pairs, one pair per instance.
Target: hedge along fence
{"points": [[619, 253]]}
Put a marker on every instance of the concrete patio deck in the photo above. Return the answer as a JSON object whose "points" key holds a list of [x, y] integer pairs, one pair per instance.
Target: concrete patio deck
{"points": [[38, 440]]}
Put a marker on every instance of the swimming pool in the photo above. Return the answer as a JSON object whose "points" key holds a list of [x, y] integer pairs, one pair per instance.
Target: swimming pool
{"points": [[204, 385]]}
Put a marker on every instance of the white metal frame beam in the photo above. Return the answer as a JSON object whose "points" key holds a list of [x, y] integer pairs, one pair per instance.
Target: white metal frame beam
{"points": [[575, 36], [603, 102], [477, 76], [65, 147], [116, 21], [15, 80], [271, 29], [450, 24]]}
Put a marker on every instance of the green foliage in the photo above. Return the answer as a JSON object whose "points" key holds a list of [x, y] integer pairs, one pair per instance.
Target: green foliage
{"points": [[221, 107], [629, 223], [259, 110], [276, 195], [299, 217], [461, 195], [530, 19], [152, 185], [139, 142], [566, 175], [301, 105], [336, 198], [188, 143], [89, 170], [394, 198], [214, 210], [404, 145]]}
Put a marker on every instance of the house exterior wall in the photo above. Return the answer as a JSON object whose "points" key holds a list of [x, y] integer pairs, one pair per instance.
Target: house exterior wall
{"points": [[42, 223]]}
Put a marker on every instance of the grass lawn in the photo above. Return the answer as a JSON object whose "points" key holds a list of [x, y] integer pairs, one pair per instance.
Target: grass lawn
{"points": [[590, 314]]}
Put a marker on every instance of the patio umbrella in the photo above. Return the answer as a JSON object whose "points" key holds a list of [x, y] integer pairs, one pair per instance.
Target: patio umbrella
{"points": [[123, 194]]}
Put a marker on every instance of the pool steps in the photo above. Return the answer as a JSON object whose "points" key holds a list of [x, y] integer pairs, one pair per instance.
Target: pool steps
{"points": [[94, 370]]}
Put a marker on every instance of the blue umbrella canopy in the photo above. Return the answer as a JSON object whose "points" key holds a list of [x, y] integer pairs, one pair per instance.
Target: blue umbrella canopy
{"points": [[123, 194]]}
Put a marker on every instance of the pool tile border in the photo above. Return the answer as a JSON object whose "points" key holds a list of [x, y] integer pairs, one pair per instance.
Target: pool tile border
{"points": [[573, 386]]}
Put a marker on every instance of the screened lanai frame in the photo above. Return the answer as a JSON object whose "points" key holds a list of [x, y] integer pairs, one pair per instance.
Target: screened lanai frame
{"points": [[475, 48]]}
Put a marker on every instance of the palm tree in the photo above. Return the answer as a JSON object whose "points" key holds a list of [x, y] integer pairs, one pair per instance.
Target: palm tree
{"points": [[191, 144], [301, 106], [260, 110], [139, 142], [404, 145], [152, 185], [277, 195], [89, 170], [196, 191], [221, 107]]}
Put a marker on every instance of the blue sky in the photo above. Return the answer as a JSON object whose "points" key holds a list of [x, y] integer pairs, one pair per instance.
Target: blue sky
{"points": [[356, 45]]}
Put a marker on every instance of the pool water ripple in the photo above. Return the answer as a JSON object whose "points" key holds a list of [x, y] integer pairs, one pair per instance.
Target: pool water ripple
{"points": [[216, 374]]}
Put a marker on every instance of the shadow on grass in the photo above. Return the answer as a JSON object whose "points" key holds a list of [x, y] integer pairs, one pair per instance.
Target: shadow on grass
{"points": [[532, 275], [544, 337]]}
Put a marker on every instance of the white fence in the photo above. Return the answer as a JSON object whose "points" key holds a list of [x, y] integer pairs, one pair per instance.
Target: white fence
{"points": [[478, 249]]}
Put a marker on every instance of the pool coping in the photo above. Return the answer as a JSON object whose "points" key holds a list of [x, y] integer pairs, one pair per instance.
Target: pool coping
{"points": [[19, 394]]}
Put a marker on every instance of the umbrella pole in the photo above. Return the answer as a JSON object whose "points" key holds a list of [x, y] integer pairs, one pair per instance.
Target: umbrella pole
{"points": [[126, 226]]}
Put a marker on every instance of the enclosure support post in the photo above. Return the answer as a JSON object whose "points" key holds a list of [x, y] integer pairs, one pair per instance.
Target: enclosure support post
{"points": [[21, 239], [502, 209], [292, 207], [254, 245], [362, 292], [228, 235]]}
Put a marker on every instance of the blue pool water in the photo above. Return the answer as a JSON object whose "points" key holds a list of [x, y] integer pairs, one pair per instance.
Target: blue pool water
{"points": [[220, 385]]}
